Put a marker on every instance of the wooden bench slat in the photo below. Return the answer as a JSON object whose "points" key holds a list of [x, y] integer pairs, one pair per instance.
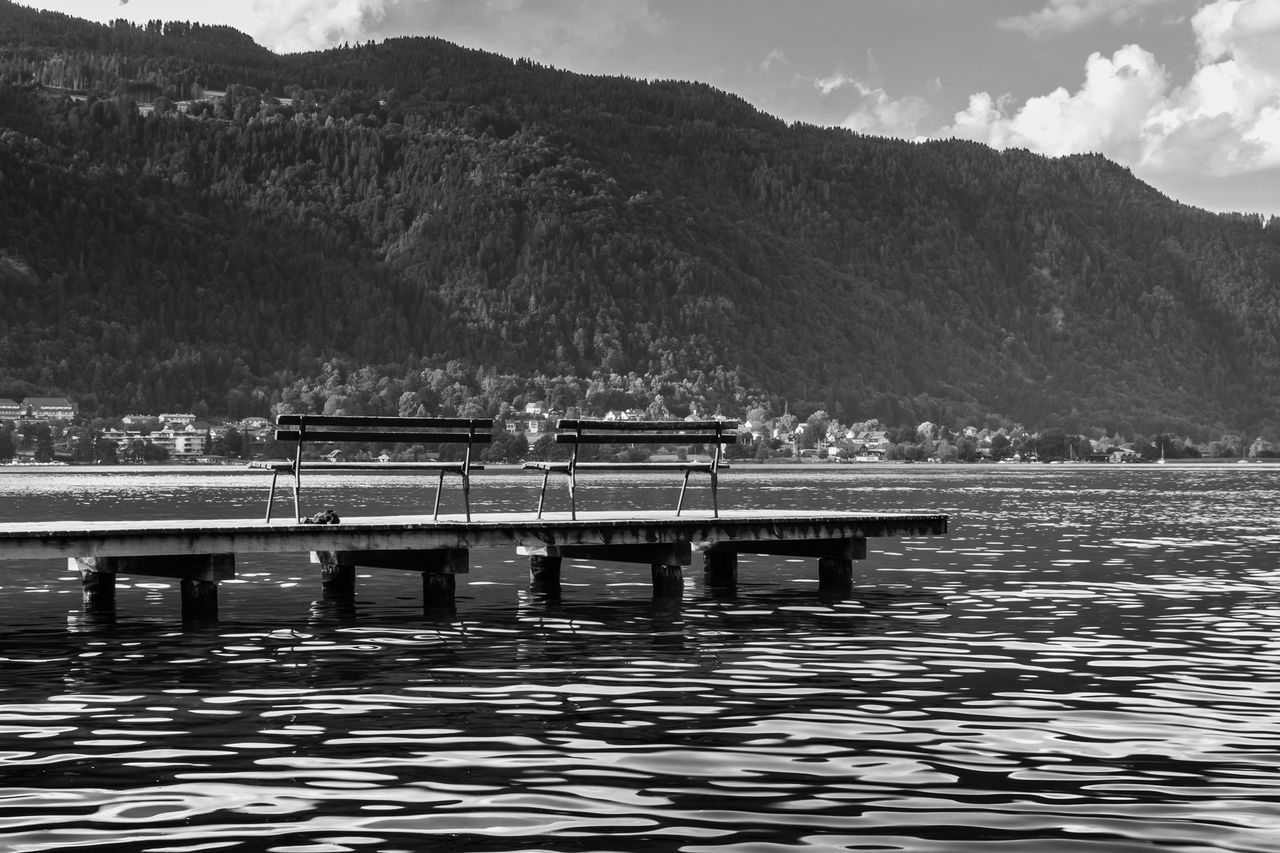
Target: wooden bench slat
{"points": [[641, 467], [278, 465], [640, 438], [563, 467], [384, 421], [644, 426], [334, 435]]}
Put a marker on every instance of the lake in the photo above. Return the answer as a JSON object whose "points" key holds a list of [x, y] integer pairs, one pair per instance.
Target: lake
{"points": [[1088, 663]]}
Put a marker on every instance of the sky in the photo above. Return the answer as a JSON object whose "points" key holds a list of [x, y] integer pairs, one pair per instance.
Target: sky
{"points": [[1185, 93]]}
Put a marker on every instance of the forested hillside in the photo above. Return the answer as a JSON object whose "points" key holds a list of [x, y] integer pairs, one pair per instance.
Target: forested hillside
{"points": [[416, 226]]}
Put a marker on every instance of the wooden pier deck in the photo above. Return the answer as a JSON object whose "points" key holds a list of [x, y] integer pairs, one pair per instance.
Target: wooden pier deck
{"points": [[202, 552]]}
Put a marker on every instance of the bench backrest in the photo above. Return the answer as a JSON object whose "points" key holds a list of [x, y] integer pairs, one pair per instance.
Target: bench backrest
{"points": [[328, 429], [581, 431]]}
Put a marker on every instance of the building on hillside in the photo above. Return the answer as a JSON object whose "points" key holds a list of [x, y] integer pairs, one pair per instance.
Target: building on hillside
{"points": [[48, 409], [527, 426], [871, 439], [163, 438], [10, 410], [177, 420], [256, 428], [190, 441]]}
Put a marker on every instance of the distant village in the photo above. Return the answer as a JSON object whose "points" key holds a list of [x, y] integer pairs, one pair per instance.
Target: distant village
{"points": [[48, 430], [139, 438]]}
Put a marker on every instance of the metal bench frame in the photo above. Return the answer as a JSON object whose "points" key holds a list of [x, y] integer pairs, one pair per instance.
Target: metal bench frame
{"points": [[580, 432], [336, 429]]}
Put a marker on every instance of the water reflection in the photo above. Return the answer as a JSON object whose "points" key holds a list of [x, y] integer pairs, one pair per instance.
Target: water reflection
{"points": [[1088, 663]]}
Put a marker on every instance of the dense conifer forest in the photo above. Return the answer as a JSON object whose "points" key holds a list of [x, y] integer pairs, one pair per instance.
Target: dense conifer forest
{"points": [[190, 222]]}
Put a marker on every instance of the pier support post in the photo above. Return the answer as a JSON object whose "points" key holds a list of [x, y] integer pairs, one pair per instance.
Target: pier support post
{"points": [[98, 587], [835, 574], [544, 574], [440, 579], [439, 592], [97, 581], [835, 569], [668, 581], [337, 579], [664, 559], [199, 600], [437, 566], [199, 573], [720, 569]]}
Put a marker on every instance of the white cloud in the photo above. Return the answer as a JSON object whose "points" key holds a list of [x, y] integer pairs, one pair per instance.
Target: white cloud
{"points": [[874, 111], [292, 25], [1224, 120], [870, 107], [882, 115], [569, 33], [776, 56], [551, 31], [1062, 16], [838, 80]]}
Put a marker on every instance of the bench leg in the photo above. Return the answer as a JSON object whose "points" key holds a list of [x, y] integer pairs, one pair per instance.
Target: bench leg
{"points": [[683, 486], [271, 494], [573, 500], [715, 503], [546, 474], [297, 496], [435, 513], [466, 493]]}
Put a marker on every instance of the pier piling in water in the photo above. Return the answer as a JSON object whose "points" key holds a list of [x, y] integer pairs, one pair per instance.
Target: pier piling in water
{"points": [[199, 600], [336, 579], [199, 575], [98, 584], [437, 567], [544, 574], [668, 580], [835, 574], [720, 569]]}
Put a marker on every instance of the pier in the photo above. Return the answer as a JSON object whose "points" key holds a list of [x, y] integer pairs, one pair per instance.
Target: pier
{"points": [[202, 553]]}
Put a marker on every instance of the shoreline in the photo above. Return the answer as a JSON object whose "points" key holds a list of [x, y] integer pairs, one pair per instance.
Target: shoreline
{"points": [[242, 468]]}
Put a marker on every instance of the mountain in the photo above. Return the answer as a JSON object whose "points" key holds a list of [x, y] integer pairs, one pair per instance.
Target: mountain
{"points": [[193, 222]]}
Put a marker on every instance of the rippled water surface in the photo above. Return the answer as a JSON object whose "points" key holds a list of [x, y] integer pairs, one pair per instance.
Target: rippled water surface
{"points": [[1089, 662]]}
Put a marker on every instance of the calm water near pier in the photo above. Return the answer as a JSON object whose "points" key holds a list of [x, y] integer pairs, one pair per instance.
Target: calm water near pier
{"points": [[1089, 662]]}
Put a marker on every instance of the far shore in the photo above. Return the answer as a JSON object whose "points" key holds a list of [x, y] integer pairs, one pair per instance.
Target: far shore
{"points": [[242, 468]]}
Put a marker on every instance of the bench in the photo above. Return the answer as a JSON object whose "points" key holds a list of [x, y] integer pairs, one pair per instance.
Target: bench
{"points": [[339, 429], [580, 434]]}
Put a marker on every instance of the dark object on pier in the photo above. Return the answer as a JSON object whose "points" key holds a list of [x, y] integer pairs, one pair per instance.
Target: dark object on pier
{"points": [[328, 516]]}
